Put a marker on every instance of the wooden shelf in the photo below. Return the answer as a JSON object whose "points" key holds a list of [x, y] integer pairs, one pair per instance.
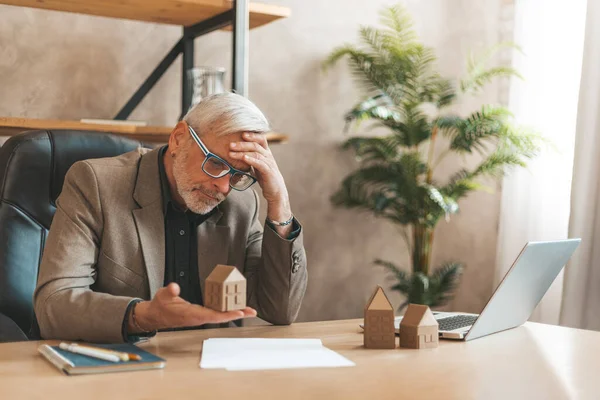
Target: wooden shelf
{"points": [[10, 126], [173, 12]]}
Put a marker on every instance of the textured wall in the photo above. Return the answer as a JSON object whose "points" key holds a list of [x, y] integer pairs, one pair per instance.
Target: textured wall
{"points": [[60, 65]]}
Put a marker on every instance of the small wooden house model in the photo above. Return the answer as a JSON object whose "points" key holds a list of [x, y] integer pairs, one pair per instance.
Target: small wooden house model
{"points": [[225, 289], [379, 322], [418, 328]]}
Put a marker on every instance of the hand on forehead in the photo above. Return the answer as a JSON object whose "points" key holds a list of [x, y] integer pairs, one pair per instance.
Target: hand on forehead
{"points": [[221, 146]]}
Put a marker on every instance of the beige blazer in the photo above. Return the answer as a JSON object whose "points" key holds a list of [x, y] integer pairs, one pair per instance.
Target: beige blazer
{"points": [[106, 246]]}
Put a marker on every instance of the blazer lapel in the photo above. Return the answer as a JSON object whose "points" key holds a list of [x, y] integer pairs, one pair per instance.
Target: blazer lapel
{"points": [[151, 231], [149, 219], [213, 246]]}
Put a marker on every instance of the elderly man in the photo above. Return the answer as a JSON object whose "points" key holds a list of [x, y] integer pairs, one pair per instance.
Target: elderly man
{"points": [[135, 236]]}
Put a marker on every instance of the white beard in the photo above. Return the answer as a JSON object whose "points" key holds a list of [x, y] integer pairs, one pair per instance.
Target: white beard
{"points": [[189, 192]]}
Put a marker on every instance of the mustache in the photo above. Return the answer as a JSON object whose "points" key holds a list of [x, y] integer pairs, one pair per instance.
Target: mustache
{"points": [[216, 195]]}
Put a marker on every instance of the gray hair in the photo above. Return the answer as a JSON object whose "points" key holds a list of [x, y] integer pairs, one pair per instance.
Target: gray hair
{"points": [[226, 113]]}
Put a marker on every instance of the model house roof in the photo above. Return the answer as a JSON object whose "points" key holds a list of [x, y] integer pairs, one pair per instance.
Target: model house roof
{"points": [[379, 301], [225, 273], [418, 315]]}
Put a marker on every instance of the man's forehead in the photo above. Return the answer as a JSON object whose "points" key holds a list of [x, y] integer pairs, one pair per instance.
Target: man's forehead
{"points": [[211, 140], [220, 145]]}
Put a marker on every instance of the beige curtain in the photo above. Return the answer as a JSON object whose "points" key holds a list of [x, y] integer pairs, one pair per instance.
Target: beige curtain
{"points": [[581, 294], [535, 201]]}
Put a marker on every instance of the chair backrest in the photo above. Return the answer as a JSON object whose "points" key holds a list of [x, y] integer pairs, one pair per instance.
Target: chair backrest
{"points": [[33, 167]]}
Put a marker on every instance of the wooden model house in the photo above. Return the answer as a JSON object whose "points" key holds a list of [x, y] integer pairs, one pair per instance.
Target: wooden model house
{"points": [[379, 322], [225, 289], [418, 329]]}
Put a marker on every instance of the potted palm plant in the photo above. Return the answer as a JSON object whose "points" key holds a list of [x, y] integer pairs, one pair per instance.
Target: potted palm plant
{"points": [[396, 177]]}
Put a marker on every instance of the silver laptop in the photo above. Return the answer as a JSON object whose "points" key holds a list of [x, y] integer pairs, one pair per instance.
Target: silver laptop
{"points": [[516, 297]]}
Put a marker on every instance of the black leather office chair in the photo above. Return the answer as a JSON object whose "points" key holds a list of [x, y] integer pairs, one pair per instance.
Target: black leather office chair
{"points": [[33, 167]]}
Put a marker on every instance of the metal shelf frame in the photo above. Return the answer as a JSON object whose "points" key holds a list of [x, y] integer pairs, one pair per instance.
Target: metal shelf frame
{"points": [[239, 17]]}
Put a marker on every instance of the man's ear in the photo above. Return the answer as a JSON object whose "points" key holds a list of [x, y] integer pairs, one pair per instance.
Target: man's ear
{"points": [[178, 136]]}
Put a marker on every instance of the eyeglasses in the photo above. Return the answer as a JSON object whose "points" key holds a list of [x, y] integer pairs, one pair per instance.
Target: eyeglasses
{"points": [[216, 167]]}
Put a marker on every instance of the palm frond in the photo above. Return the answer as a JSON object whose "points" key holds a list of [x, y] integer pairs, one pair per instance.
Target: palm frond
{"points": [[495, 165], [446, 204], [433, 291], [379, 107], [398, 20], [410, 125], [370, 74], [460, 184], [422, 83], [514, 147], [411, 165], [490, 52], [443, 281], [478, 129], [375, 39], [372, 188], [398, 175], [392, 60], [353, 194], [479, 79], [368, 149], [402, 277], [339, 53], [478, 72], [449, 124], [415, 127], [391, 190], [525, 141], [446, 92]]}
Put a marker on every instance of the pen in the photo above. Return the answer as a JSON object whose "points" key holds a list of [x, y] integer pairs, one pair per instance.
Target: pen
{"points": [[123, 356], [89, 352]]}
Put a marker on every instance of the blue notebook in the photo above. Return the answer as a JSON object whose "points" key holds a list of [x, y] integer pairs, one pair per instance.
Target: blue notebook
{"points": [[76, 364]]}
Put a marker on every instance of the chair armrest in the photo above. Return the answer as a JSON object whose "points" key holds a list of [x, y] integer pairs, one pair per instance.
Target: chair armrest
{"points": [[10, 331]]}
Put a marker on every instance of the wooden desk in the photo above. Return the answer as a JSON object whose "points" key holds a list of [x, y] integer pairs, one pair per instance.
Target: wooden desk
{"points": [[534, 361]]}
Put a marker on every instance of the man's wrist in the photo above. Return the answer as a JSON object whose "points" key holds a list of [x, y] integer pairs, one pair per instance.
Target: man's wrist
{"points": [[139, 321], [279, 211], [281, 223]]}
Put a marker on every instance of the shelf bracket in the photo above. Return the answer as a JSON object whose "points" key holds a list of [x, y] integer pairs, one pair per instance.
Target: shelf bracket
{"points": [[241, 27], [185, 46]]}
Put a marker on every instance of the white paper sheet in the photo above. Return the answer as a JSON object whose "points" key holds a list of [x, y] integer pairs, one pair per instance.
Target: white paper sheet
{"points": [[258, 353]]}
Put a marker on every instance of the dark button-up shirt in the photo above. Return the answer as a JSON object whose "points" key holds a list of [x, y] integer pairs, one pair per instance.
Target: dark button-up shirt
{"points": [[181, 246]]}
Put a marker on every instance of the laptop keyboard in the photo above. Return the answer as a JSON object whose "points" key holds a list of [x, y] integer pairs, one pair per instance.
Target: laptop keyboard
{"points": [[458, 321]]}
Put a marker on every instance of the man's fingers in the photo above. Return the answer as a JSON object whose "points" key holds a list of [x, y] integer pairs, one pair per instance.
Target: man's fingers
{"points": [[268, 159], [249, 147], [229, 316], [181, 314], [249, 312], [217, 317], [173, 289], [258, 164], [259, 138]]}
